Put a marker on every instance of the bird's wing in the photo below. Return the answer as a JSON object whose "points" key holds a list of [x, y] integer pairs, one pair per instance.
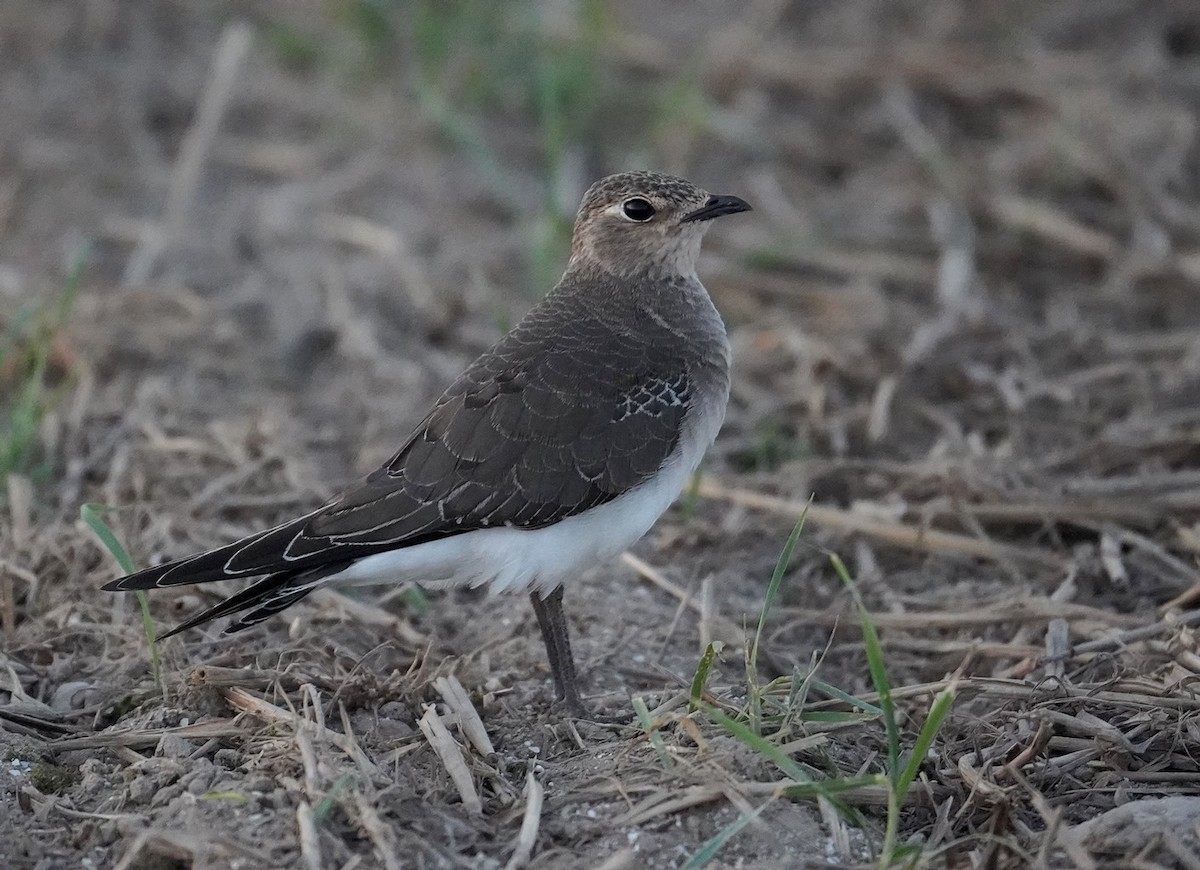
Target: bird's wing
{"points": [[533, 432]]}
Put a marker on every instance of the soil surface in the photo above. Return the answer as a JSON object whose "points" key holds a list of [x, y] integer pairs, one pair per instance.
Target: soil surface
{"points": [[964, 315]]}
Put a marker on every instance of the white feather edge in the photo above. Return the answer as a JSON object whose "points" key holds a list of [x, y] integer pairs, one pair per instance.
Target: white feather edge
{"points": [[510, 560]]}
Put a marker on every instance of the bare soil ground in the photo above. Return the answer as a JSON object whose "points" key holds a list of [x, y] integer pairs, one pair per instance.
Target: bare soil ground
{"points": [[964, 314]]}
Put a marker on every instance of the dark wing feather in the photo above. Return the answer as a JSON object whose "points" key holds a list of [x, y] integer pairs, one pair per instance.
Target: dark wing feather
{"points": [[219, 563], [267, 596], [548, 423]]}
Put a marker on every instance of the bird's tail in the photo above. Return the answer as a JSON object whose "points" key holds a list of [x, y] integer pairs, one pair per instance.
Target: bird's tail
{"points": [[261, 553], [263, 598]]}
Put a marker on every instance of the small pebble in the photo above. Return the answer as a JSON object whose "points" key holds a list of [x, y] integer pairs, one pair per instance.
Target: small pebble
{"points": [[70, 696], [258, 782], [174, 746], [142, 790], [166, 795], [392, 730], [200, 777], [107, 833], [394, 710]]}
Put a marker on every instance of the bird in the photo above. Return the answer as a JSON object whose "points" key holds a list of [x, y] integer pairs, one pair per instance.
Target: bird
{"points": [[555, 450]]}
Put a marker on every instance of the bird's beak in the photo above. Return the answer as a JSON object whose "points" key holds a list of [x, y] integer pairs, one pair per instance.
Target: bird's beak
{"points": [[715, 207]]}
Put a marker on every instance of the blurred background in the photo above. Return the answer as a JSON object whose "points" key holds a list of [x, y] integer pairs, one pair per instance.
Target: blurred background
{"points": [[393, 182], [244, 244]]}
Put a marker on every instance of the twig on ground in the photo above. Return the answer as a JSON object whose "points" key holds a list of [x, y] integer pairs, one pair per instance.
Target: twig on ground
{"points": [[1170, 622], [310, 844], [369, 615], [469, 723], [527, 836], [242, 700], [618, 860], [721, 628], [151, 736], [380, 835], [897, 534], [1039, 609], [450, 754]]}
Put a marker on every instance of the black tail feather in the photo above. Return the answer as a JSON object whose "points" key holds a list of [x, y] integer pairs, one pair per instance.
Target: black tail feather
{"points": [[276, 603], [267, 597], [232, 560]]}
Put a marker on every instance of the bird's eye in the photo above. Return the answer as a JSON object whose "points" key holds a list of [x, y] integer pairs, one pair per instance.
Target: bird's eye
{"points": [[637, 209]]}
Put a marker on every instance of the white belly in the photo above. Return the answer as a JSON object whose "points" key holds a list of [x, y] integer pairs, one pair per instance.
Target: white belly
{"points": [[516, 559], [509, 559]]}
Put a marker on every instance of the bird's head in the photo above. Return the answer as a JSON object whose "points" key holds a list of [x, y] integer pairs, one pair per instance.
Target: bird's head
{"points": [[645, 223]]}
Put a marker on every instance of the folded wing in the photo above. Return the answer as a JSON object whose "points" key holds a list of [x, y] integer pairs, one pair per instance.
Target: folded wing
{"points": [[529, 435]]}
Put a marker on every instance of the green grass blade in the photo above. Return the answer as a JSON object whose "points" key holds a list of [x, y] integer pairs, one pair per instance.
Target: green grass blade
{"points": [[70, 289], [14, 329], [322, 810], [794, 701], [877, 667], [656, 740], [759, 744], [938, 712], [846, 698], [714, 845], [415, 599], [90, 514], [27, 347], [806, 786], [781, 566], [700, 681], [841, 785], [754, 692]]}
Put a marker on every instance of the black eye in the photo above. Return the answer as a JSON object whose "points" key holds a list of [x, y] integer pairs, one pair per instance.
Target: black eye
{"points": [[637, 209]]}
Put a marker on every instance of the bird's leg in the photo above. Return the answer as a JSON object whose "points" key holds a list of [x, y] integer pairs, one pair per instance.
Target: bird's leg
{"points": [[550, 619]]}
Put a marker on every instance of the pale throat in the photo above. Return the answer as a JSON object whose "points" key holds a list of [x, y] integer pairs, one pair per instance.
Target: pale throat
{"points": [[671, 257], [678, 257]]}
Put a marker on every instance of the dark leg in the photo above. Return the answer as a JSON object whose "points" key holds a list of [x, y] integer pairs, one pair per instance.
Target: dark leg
{"points": [[558, 648]]}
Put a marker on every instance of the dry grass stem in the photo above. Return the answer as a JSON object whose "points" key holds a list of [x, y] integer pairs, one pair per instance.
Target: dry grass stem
{"points": [[469, 723], [451, 756], [719, 627], [243, 701], [896, 534], [381, 837], [310, 844], [527, 836]]}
